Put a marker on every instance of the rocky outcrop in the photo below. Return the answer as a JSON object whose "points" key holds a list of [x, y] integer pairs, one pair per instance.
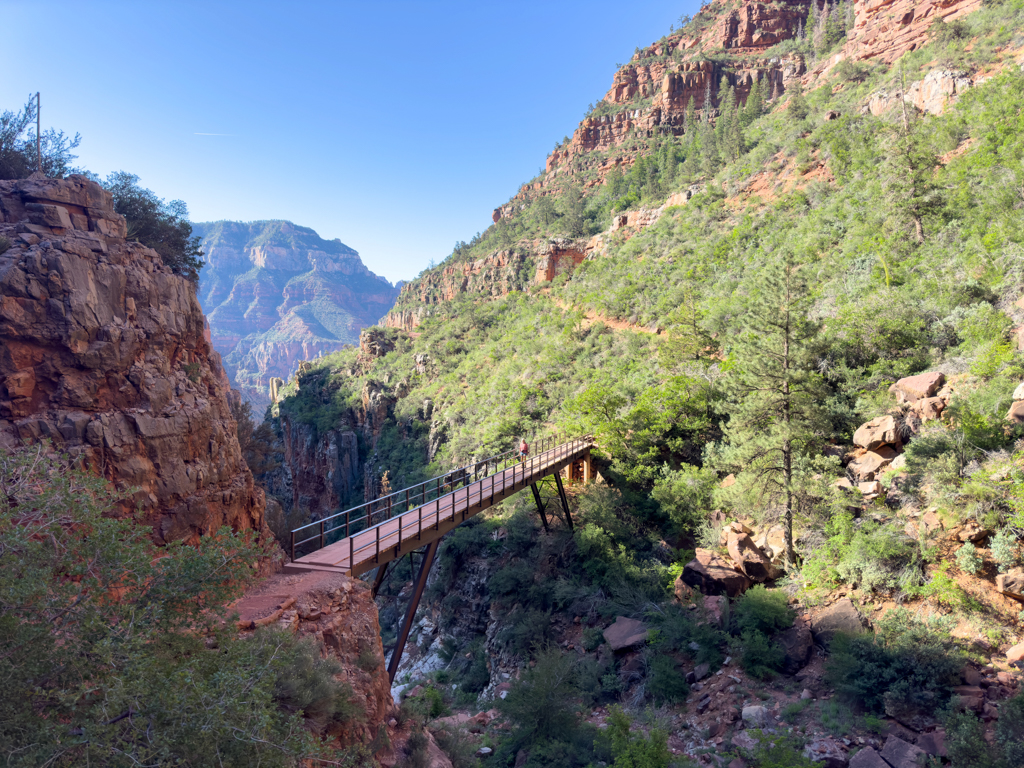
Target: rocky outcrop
{"points": [[713, 575], [886, 29], [277, 293], [323, 470], [495, 275], [103, 352], [340, 615], [652, 91]]}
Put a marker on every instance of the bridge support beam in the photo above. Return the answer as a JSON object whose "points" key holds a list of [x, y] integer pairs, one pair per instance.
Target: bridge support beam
{"points": [[378, 579], [586, 468], [414, 603], [540, 505], [565, 501]]}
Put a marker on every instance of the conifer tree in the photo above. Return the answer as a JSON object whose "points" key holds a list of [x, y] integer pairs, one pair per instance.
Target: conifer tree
{"points": [[754, 107], [908, 172], [689, 121], [777, 416]]}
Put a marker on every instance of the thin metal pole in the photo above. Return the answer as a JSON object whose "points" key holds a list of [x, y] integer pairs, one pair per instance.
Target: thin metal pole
{"points": [[293, 546], [39, 152]]}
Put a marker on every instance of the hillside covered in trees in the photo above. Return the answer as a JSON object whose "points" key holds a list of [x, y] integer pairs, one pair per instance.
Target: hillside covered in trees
{"points": [[787, 308]]}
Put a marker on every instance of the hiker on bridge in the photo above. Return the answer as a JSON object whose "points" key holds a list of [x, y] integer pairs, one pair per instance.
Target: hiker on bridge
{"points": [[524, 450]]}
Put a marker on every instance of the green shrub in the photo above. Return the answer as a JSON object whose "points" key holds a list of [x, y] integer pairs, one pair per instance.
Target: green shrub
{"points": [[760, 657], [836, 717], [779, 750], [943, 588], [880, 557], [763, 610], [632, 749], [968, 560], [967, 746], [540, 703], [907, 666], [1004, 549], [794, 708], [665, 683]]}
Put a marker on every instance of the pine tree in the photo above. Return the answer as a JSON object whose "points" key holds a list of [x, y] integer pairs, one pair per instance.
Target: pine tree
{"points": [[689, 121], [726, 106], [908, 172], [754, 107], [777, 392]]}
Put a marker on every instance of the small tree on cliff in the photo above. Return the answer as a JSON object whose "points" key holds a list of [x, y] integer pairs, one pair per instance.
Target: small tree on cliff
{"points": [[164, 227], [777, 392]]}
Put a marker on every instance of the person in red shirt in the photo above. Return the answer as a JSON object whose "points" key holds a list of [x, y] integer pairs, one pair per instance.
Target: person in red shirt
{"points": [[524, 449]]}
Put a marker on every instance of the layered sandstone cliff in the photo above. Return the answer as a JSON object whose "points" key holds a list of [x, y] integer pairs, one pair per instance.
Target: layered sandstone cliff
{"points": [[102, 352], [277, 293]]}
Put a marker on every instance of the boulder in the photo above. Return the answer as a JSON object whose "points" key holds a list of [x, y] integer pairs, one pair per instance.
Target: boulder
{"points": [[828, 751], [913, 388], [934, 743], [1011, 583], [870, 463], [701, 671], [972, 531], [1016, 412], [870, 488], [682, 590], [714, 576], [743, 740], [868, 758], [624, 633], [1016, 654], [900, 754], [797, 643], [717, 608], [1018, 393], [755, 716], [841, 616], [747, 557], [876, 433], [929, 408]]}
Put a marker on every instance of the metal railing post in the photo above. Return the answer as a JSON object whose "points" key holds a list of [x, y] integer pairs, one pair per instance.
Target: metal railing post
{"points": [[293, 546], [323, 535], [351, 554]]}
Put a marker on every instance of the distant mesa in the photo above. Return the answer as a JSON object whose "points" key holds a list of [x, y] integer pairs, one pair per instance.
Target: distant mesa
{"points": [[276, 293]]}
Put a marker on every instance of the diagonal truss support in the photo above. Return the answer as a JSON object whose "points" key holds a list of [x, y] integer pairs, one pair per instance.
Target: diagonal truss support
{"points": [[414, 603], [540, 505], [565, 501]]}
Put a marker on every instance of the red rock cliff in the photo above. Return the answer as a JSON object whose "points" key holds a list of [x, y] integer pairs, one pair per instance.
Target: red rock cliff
{"points": [[103, 352]]}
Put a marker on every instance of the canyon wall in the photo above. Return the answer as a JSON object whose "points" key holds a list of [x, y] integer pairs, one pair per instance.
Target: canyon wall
{"points": [[103, 352], [276, 293]]}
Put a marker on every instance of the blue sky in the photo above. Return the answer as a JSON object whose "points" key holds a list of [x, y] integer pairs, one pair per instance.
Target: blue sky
{"points": [[394, 126]]}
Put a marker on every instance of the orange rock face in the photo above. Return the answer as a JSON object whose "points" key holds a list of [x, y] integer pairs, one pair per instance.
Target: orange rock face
{"points": [[103, 352], [677, 70], [338, 612]]}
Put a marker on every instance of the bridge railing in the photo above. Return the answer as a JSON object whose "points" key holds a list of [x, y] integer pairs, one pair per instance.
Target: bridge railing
{"points": [[372, 513]]}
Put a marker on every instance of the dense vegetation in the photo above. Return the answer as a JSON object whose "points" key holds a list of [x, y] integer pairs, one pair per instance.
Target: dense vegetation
{"points": [[115, 654], [825, 253]]}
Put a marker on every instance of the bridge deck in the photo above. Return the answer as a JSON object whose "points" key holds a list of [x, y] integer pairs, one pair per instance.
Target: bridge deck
{"points": [[386, 541]]}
